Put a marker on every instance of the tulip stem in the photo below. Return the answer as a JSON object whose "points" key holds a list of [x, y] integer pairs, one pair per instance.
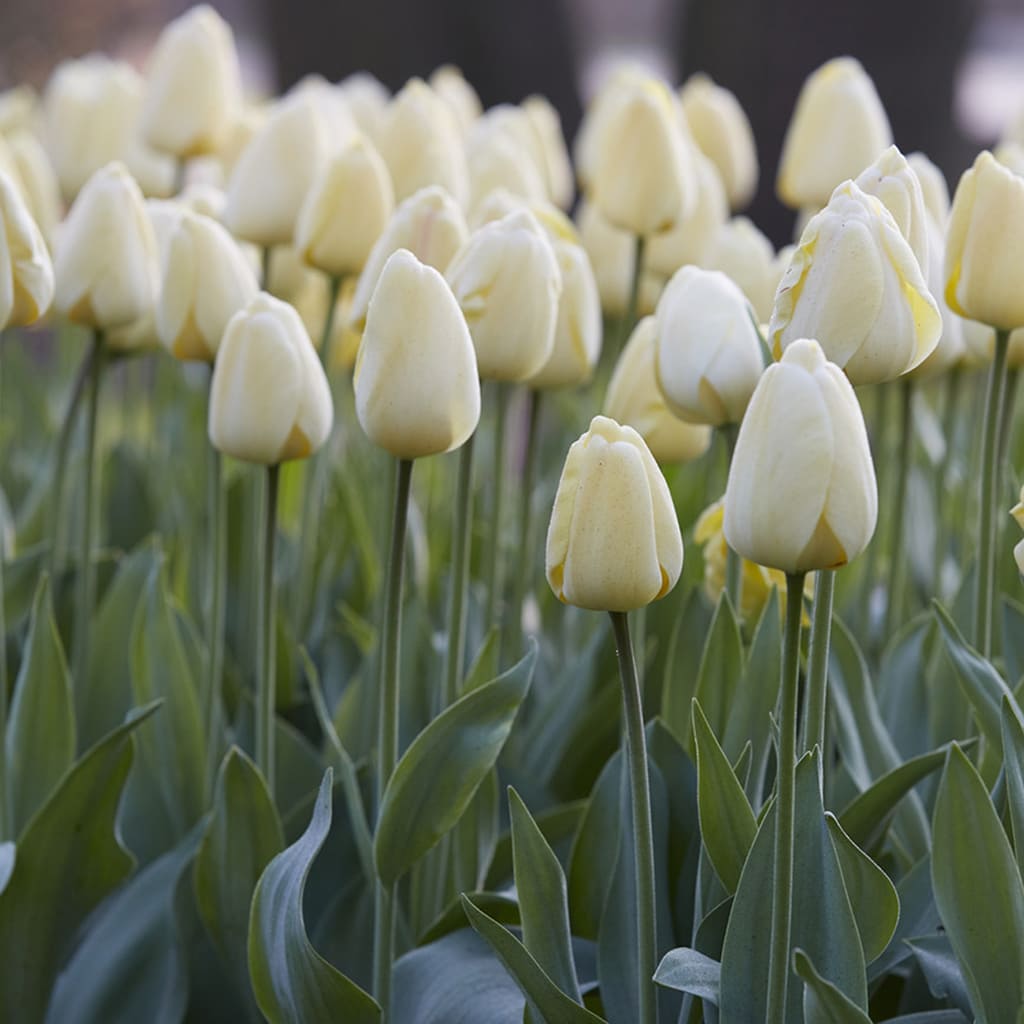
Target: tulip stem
{"points": [[216, 580], [733, 561], [633, 305], [951, 407], [265, 640], [1006, 414], [989, 497], [643, 834], [462, 531], [86, 573], [265, 254], [333, 287], [785, 806], [817, 675], [897, 563], [387, 725], [494, 604]]}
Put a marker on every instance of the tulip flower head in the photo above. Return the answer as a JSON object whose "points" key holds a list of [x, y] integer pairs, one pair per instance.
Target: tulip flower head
{"points": [[743, 252], [934, 189], [26, 273], [450, 86], [543, 119]]}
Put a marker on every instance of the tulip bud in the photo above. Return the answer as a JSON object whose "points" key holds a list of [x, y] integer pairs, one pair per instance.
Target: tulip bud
{"points": [[1018, 513], [498, 155], [634, 399], [985, 246], [458, 95], [106, 261], [855, 285], [500, 203], [26, 273], [367, 98], [18, 109], [743, 253], [722, 131], [38, 182], [708, 351], [934, 189], [553, 155], [332, 106], [1011, 155], [507, 282], [275, 171], [801, 493], [269, 398], [416, 384], [346, 210], [193, 85], [838, 127], [613, 542]]}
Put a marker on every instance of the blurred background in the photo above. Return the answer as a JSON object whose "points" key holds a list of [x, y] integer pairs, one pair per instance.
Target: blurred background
{"points": [[950, 72]]}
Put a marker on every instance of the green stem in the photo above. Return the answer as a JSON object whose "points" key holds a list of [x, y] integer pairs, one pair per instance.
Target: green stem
{"points": [[494, 606], [897, 563], [265, 639], [462, 531], [643, 834], [333, 287], [387, 725], [86, 570], [951, 406], [265, 255], [785, 809], [1006, 413], [216, 582], [989, 497], [733, 561], [633, 305], [817, 676], [3, 662]]}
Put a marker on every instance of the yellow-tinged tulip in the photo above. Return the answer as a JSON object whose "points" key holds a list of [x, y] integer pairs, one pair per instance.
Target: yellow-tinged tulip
{"points": [[507, 282], [1018, 513], [551, 148], [416, 384], [346, 210], [500, 203], [18, 109], [498, 156], [741, 251], [613, 542], [985, 246], [38, 182], [855, 285], [106, 260], [838, 127], [193, 85], [634, 399], [269, 398], [1011, 154], [26, 273], [934, 189], [801, 493], [459, 96], [708, 351], [722, 131], [206, 280]]}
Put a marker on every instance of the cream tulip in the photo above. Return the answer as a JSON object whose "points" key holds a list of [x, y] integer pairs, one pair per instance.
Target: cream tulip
{"points": [[855, 285], [500, 203], [801, 493], [367, 98], [507, 283], [985, 246], [708, 351], [838, 127], [934, 189], [551, 148], [613, 541], [19, 108], [269, 397], [498, 158], [38, 182], [635, 399], [26, 273], [458, 95], [741, 251], [416, 385]]}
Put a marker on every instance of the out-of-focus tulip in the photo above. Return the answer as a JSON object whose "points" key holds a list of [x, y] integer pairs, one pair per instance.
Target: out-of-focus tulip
{"points": [[980, 343], [1011, 155], [507, 282], [708, 352], [613, 542], [38, 182], [1018, 513], [722, 131], [801, 493], [202, 197], [934, 189], [26, 273], [499, 155], [416, 384], [500, 203], [346, 210], [634, 399], [193, 85], [743, 252], [985, 246], [18, 109], [269, 398], [553, 153], [367, 98], [460, 97], [838, 127], [855, 285], [334, 110], [106, 260]]}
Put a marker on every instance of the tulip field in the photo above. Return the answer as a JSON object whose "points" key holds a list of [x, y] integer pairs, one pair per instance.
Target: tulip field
{"points": [[452, 574]]}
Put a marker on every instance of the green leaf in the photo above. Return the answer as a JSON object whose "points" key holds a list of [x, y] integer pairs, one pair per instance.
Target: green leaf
{"points": [[1013, 765], [41, 728], [243, 835], [873, 897], [941, 969], [979, 892], [1013, 639], [687, 970], [8, 855], [437, 776], [680, 681], [543, 996], [68, 859], [823, 1002], [293, 983], [727, 822], [504, 909], [557, 824], [930, 1017], [721, 668]]}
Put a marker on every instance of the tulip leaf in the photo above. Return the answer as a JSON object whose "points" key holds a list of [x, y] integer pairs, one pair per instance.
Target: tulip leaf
{"points": [[931, 1017], [979, 891], [504, 909], [1013, 765], [823, 1002], [438, 775], [680, 680], [687, 970], [941, 969], [293, 983], [721, 668], [1013, 640], [557, 824], [41, 727]]}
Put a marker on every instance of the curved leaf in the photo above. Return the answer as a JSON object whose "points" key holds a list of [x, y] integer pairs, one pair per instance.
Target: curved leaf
{"points": [[687, 970], [1013, 765], [721, 667], [941, 969], [504, 910], [823, 1002]]}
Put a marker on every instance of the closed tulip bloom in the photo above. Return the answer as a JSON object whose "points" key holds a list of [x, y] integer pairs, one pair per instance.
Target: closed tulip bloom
{"points": [[450, 86], [500, 203], [743, 252], [801, 493], [838, 128], [708, 352], [269, 398], [38, 182], [507, 282], [553, 153], [106, 260], [193, 85], [855, 285], [26, 273], [934, 189], [613, 541], [634, 399], [722, 131], [1011, 154], [985, 246], [19, 108], [497, 158], [346, 210], [416, 384], [332, 106], [367, 99], [275, 171]]}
